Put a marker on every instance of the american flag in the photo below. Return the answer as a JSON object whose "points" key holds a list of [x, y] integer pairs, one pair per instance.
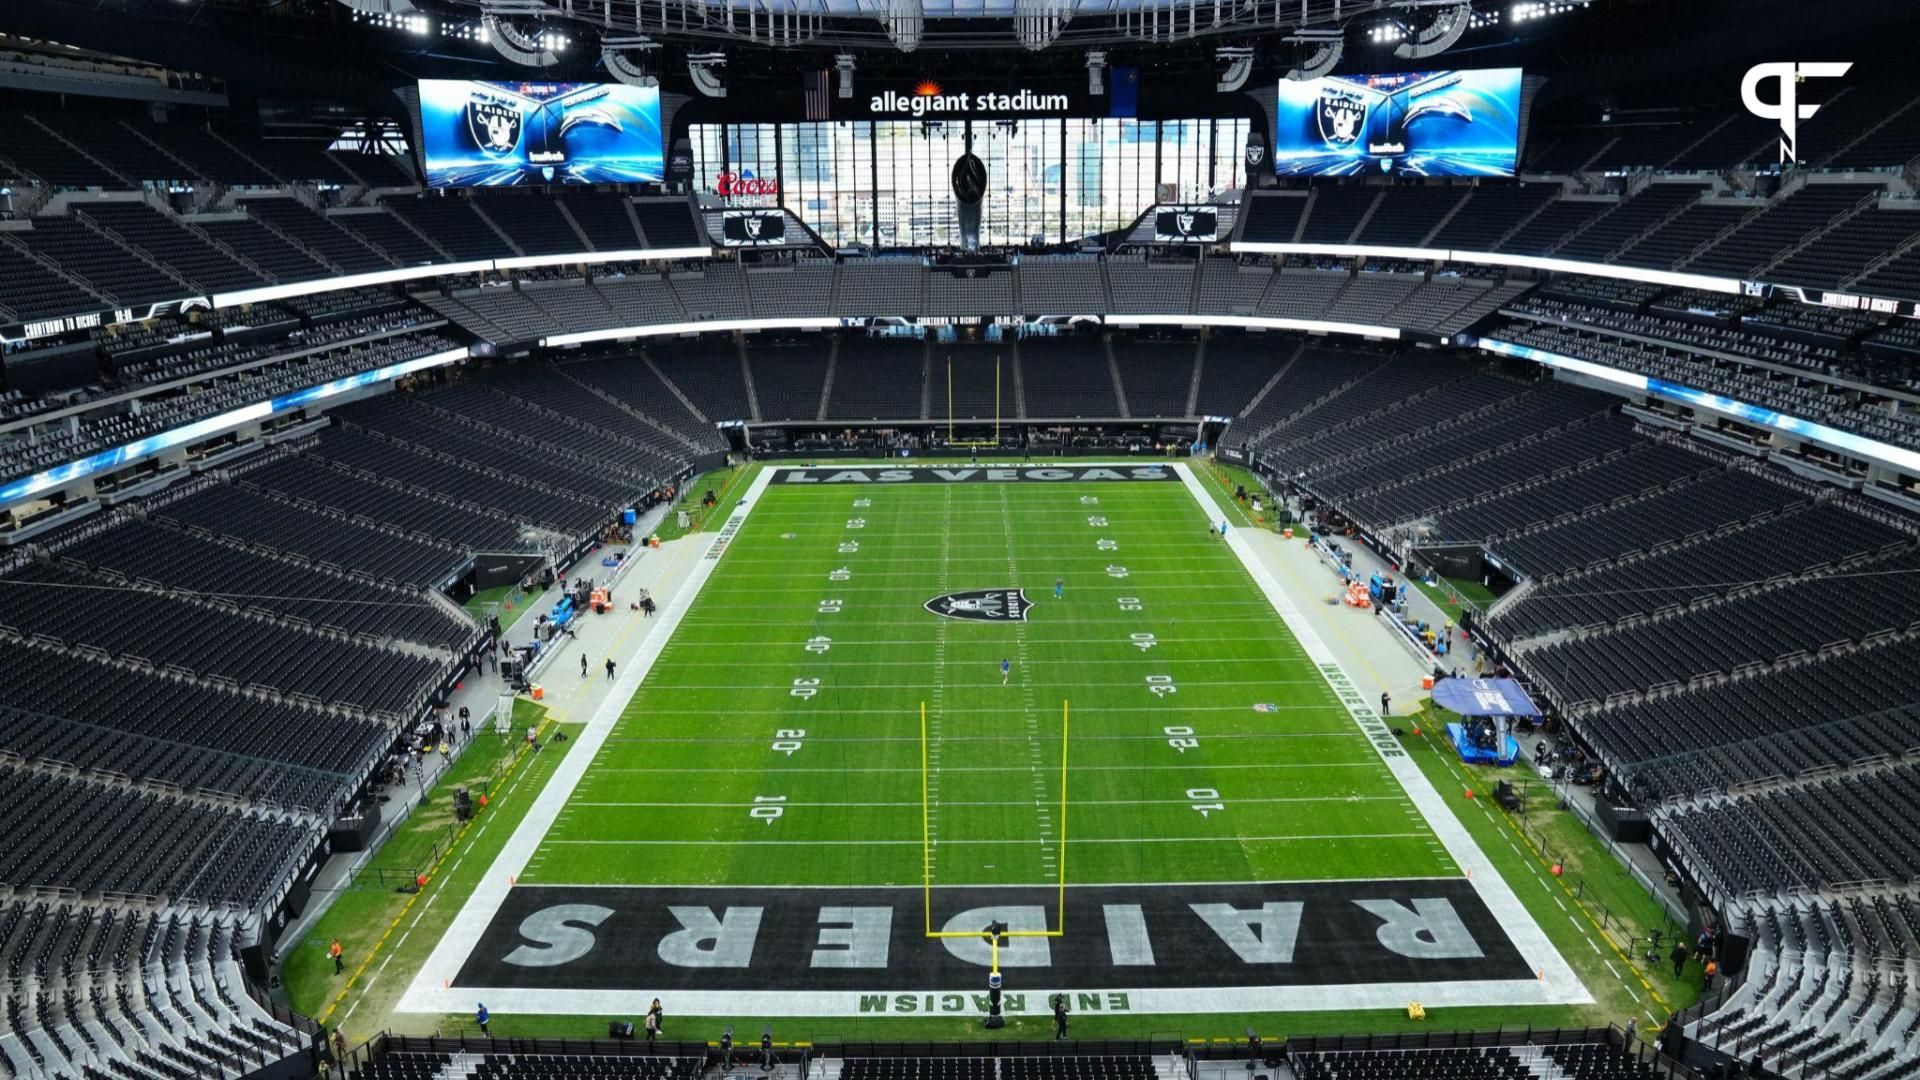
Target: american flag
{"points": [[817, 89]]}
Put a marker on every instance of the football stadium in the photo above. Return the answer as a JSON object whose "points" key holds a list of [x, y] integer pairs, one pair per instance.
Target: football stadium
{"points": [[919, 540]]}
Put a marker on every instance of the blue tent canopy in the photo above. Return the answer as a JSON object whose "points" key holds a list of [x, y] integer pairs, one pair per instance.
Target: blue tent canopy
{"points": [[1483, 697]]}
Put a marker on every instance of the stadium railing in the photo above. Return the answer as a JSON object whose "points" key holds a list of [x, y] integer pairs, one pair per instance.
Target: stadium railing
{"points": [[1191, 1051]]}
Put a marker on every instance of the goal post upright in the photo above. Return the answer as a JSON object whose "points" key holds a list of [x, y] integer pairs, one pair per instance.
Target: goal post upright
{"points": [[926, 829], [926, 849]]}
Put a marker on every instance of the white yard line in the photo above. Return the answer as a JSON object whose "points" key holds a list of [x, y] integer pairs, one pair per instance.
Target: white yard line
{"points": [[1040, 799], [1557, 981], [427, 992], [1370, 763], [843, 842]]}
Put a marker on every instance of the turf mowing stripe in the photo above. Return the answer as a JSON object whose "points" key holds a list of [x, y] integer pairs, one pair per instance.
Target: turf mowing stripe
{"points": [[1037, 801], [996, 842], [997, 770]]}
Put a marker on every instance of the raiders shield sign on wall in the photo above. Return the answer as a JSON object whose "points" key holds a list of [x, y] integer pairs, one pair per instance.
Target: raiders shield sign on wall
{"points": [[984, 605]]}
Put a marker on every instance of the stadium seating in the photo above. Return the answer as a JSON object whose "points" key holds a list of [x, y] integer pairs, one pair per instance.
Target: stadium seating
{"points": [[1067, 377], [1722, 634], [455, 226], [1488, 1063], [533, 223], [668, 223], [384, 232], [1825, 993], [918, 1068], [605, 220], [872, 380], [1156, 376], [139, 987], [789, 381]]}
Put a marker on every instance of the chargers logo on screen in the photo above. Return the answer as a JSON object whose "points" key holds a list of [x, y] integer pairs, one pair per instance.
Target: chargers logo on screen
{"points": [[494, 125], [1342, 115]]}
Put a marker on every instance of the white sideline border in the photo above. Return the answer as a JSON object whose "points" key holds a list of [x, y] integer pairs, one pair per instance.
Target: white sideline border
{"points": [[1556, 978], [428, 992], [431, 990]]}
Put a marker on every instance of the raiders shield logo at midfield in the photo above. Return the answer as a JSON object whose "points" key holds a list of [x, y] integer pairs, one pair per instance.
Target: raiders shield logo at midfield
{"points": [[982, 605]]}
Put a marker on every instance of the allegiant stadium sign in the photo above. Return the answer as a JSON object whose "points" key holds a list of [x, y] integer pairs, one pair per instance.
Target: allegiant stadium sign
{"points": [[929, 99]]}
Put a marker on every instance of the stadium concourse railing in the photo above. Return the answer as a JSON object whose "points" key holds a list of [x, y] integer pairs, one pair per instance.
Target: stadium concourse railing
{"points": [[1272, 1048]]}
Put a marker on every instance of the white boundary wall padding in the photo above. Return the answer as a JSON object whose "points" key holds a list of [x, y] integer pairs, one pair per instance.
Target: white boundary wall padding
{"points": [[431, 990]]}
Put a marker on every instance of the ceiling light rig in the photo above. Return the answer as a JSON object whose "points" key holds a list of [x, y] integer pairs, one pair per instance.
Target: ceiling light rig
{"points": [[539, 48], [626, 59], [708, 72], [1438, 34], [1037, 23], [1322, 49]]}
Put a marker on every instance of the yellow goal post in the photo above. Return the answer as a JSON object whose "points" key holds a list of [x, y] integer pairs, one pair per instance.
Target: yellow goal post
{"points": [[926, 853]]}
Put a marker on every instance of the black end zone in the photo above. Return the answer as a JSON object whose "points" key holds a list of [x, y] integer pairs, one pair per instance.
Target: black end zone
{"points": [[1137, 937]]}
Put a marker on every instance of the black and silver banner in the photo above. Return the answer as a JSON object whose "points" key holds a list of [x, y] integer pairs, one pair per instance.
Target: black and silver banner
{"points": [[753, 228], [1186, 224]]}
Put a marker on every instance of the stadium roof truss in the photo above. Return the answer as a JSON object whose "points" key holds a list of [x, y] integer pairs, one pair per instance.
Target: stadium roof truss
{"points": [[976, 24]]}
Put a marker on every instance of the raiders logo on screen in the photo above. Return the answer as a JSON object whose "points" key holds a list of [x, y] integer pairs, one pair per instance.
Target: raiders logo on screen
{"points": [[1342, 115], [747, 228], [494, 125], [1195, 223], [982, 605]]}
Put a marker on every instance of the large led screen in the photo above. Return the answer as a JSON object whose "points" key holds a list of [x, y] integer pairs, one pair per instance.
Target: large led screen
{"points": [[1423, 123], [496, 134]]}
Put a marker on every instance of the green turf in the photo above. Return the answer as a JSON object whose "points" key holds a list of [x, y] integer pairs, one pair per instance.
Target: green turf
{"points": [[764, 651], [494, 601], [711, 707], [362, 912], [1472, 593], [1222, 479], [726, 484]]}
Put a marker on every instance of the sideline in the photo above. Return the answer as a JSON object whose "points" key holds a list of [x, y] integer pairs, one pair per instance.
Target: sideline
{"points": [[431, 989], [1556, 983]]}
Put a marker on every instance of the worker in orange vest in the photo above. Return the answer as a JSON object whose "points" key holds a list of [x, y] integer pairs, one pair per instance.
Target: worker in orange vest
{"points": [[333, 950]]}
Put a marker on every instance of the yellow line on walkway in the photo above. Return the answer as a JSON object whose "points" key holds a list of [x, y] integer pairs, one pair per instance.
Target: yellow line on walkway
{"points": [[1507, 820], [432, 874], [1366, 662]]}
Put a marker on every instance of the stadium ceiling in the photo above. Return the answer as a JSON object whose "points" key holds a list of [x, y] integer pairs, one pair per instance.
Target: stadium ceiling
{"points": [[910, 25], [1611, 52]]}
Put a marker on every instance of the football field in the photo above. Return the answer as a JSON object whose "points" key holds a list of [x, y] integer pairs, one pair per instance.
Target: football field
{"points": [[1060, 700], [777, 739]]}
